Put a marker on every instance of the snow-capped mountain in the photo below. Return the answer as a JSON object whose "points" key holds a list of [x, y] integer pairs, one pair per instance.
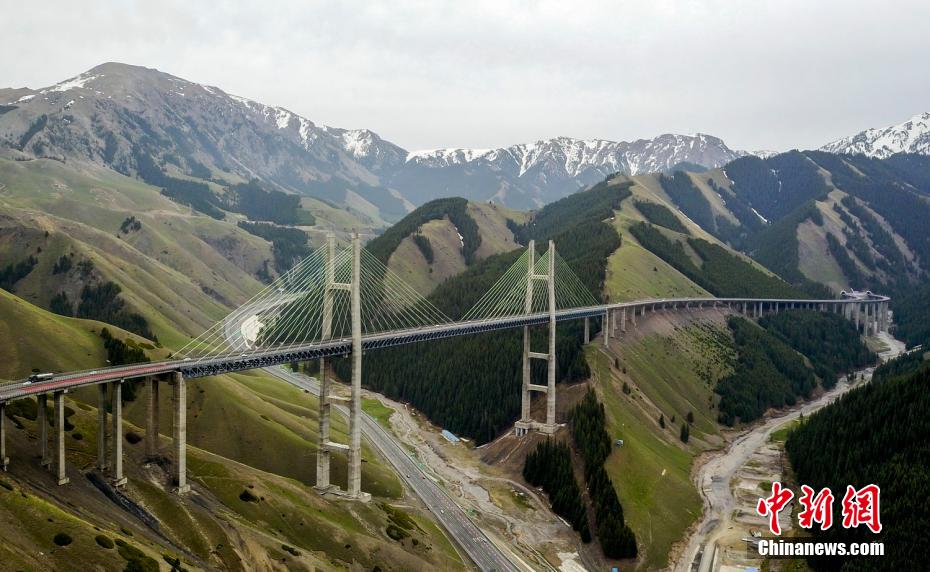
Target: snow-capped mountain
{"points": [[911, 136], [572, 157], [130, 117], [532, 174]]}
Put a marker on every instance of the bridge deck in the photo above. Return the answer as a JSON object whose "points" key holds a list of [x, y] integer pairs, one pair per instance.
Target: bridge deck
{"points": [[201, 367]]}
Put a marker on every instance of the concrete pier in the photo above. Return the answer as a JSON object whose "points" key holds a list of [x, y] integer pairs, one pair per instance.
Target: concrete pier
{"points": [[179, 430], [102, 426], [60, 468], [151, 419], [4, 460], [606, 329], [587, 330], [42, 421], [116, 409]]}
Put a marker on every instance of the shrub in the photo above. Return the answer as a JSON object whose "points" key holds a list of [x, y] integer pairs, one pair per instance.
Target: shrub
{"points": [[104, 542], [395, 532], [247, 496]]}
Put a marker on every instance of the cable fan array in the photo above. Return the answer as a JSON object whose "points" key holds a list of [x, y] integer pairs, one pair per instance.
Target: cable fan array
{"points": [[299, 309], [507, 297]]}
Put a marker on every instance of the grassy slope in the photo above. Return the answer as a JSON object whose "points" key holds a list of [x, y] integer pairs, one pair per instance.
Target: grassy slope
{"points": [[29, 333], [214, 526], [242, 419], [410, 264], [634, 272], [670, 371], [668, 375], [166, 269]]}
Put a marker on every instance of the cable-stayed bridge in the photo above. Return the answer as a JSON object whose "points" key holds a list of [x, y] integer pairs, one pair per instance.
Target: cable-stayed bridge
{"points": [[342, 301]]}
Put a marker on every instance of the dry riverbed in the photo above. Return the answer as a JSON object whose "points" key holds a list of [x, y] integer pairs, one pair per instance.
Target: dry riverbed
{"points": [[731, 481]]}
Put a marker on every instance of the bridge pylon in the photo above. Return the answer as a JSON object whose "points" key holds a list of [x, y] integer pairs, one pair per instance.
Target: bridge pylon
{"points": [[526, 422], [326, 445]]}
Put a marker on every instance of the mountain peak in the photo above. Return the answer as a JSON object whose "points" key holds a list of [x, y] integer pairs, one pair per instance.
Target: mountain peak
{"points": [[911, 136]]}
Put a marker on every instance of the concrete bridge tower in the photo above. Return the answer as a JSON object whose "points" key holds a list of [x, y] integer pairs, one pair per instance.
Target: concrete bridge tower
{"points": [[326, 446], [526, 421]]}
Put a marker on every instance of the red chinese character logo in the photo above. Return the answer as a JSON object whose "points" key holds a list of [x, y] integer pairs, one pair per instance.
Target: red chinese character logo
{"points": [[861, 507], [772, 505], [816, 508]]}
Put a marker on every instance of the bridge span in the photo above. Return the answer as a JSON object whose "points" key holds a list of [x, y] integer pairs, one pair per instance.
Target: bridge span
{"points": [[341, 273]]}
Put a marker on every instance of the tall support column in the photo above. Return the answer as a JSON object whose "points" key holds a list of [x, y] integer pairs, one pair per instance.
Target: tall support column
{"points": [[4, 460], [116, 408], [623, 320], [42, 421], [102, 426], [587, 330], [355, 406], [526, 422], [324, 452], [151, 425], [856, 311], [60, 438], [525, 396], [550, 392], [179, 430], [606, 328]]}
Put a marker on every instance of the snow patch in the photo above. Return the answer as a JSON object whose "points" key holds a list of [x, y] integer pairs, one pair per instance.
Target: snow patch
{"points": [[73, 83], [25, 98], [762, 218]]}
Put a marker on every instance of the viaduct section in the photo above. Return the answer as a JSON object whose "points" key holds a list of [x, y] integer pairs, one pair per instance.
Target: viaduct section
{"points": [[869, 312]]}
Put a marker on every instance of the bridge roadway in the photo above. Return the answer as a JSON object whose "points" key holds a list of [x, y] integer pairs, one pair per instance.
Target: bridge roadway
{"points": [[202, 367]]}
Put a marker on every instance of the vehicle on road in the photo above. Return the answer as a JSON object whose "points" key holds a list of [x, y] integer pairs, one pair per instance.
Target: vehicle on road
{"points": [[39, 377]]}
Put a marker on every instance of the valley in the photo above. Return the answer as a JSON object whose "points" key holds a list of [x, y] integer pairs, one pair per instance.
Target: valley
{"points": [[158, 230]]}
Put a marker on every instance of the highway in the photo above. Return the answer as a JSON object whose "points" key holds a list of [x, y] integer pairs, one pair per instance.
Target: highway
{"points": [[476, 545]]}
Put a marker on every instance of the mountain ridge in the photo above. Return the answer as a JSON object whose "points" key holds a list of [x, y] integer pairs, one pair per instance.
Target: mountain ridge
{"points": [[114, 112]]}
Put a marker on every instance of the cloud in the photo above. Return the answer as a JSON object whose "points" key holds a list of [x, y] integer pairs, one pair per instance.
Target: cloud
{"points": [[430, 74]]}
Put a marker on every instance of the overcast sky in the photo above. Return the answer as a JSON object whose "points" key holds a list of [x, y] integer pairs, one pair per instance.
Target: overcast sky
{"points": [[761, 75]]}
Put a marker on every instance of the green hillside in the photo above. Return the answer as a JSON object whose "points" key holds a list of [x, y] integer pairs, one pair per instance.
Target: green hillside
{"points": [[245, 430], [442, 238]]}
